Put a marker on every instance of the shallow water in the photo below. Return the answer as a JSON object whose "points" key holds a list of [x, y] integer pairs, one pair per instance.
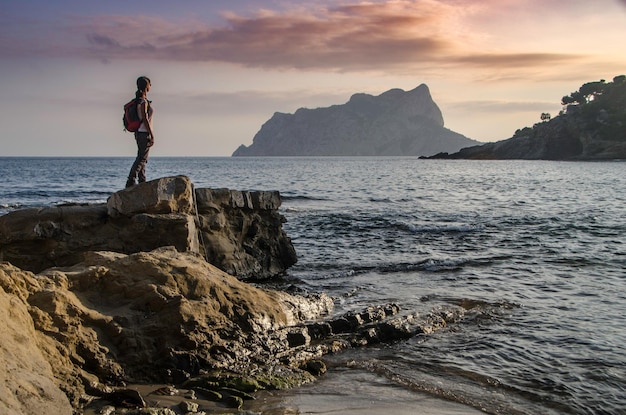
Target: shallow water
{"points": [[536, 252]]}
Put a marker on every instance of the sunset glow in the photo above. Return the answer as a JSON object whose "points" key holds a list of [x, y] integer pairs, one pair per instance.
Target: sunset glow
{"points": [[221, 70]]}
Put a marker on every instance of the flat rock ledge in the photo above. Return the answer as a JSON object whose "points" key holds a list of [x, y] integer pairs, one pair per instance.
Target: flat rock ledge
{"points": [[240, 232]]}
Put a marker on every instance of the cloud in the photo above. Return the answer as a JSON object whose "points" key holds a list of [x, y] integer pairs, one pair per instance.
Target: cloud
{"points": [[342, 38], [392, 35]]}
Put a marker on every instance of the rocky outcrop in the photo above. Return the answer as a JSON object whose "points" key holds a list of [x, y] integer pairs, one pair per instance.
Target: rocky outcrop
{"points": [[242, 232], [592, 129], [395, 123], [167, 317], [239, 232], [161, 316], [75, 336]]}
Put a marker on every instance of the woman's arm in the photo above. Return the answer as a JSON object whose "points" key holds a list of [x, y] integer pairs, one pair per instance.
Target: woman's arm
{"points": [[146, 120]]}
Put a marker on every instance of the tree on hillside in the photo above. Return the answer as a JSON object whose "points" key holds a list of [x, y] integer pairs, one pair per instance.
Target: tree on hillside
{"points": [[587, 93], [545, 116]]}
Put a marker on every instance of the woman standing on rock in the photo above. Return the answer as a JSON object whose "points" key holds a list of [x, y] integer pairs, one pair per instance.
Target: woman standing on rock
{"points": [[144, 135]]}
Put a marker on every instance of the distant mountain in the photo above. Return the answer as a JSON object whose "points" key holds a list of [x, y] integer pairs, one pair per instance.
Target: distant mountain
{"points": [[592, 127], [395, 123]]}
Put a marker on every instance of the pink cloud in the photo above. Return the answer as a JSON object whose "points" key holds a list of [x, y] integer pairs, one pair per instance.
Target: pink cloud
{"points": [[389, 35]]}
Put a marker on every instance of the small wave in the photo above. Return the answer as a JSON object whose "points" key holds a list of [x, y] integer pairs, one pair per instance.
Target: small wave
{"points": [[10, 205], [480, 310], [302, 197], [430, 265], [380, 200], [443, 228], [481, 392], [434, 265], [293, 210]]}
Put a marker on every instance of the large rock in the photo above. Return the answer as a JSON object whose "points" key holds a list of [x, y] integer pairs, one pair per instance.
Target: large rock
{"points": [[395, 123], [147, 317], [240, 232], [166, 195], [168, 317], [38, 238]]}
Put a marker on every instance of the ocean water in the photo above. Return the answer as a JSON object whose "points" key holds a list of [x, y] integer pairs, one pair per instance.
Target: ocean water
{"points": [[535, 250]]}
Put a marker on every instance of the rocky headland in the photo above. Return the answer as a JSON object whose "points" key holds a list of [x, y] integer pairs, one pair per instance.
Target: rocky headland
{"points": [[395, 123], [591, 127], [97, 300]]}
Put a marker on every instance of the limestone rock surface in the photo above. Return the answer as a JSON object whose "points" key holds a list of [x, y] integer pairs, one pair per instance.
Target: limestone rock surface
{"points": [[159, 316], [80, 332], [27, 382], [242, 232], [238, 231], [165, 195]]}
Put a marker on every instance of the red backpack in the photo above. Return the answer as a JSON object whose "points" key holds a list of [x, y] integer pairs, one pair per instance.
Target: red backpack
{"points": [[131, 117]]}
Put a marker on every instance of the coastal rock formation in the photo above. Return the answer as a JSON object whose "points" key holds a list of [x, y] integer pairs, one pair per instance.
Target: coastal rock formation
{"points": [[75, 336], [242, 232], [593, 127], [167, 317], [161, 316], [395, 123], [239, 232]]}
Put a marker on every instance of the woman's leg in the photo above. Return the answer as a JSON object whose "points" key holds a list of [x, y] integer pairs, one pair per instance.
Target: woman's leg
{"points": [[138, 169]]}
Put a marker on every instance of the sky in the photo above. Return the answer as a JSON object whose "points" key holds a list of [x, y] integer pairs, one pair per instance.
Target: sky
{"points": [[220, 69]]}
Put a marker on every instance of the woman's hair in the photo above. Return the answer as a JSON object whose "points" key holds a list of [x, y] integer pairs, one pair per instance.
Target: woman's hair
{"points": [[142, 84]]}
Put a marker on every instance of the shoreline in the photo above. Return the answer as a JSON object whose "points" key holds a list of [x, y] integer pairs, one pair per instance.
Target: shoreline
{"points": [[342, 390], [349, 391]]}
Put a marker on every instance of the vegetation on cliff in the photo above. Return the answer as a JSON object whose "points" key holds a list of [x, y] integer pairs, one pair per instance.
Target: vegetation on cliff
{"points": [[592, 126]]}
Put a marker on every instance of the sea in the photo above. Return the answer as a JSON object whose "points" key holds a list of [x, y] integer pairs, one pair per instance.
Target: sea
{"points": [[534, 250]]}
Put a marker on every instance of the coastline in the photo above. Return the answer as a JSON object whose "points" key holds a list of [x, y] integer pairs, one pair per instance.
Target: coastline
{"points": [[370, 395]]}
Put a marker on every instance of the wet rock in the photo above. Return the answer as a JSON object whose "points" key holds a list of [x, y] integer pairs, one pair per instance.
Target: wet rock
{"points": [[236, 392], [315, 367], [233, 401], [151, 411], [165, 391], [298, 337], [126, 398], [186, 406], [208, 394]]}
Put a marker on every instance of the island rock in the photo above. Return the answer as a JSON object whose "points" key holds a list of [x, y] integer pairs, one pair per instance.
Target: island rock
{"points": [[395, 123]]}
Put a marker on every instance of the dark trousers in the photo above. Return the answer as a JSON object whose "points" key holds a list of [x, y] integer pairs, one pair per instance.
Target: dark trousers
{"points": [[138, 170]]}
